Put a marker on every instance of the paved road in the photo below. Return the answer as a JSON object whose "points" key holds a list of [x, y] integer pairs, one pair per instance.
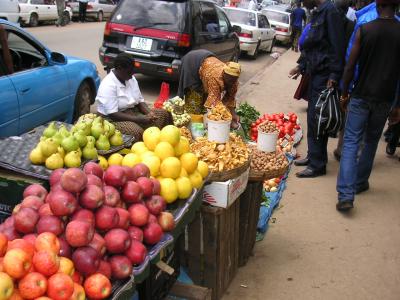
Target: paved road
{"points": [[84, 40]]}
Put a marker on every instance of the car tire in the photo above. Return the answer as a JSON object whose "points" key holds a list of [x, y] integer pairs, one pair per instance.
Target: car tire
{"points": [[272, 45], [100, 16], [33, 20], [66, 18], [84, 98], [255, 55]]}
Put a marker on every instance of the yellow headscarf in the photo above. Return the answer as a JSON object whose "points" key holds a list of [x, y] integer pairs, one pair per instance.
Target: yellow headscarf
{"points": [[233, 69]]}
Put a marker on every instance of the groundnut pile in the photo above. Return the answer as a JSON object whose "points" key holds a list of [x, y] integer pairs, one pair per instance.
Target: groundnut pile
{"points": [[267, 161], [186, 133], [219, 112], [268, 127]]}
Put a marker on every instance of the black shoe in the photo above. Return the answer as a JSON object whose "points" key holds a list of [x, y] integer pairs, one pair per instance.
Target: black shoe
{"points": [[337, 155], [301, 162], [310, 173], [344, 205], [362, 188], [390, 149]]}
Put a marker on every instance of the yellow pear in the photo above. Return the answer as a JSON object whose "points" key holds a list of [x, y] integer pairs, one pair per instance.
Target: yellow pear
{"points": [[36, 156]]}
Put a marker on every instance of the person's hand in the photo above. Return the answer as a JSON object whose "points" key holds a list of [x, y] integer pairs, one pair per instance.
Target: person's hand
{"points": [[295, 72], [152, 116], [142, 119], [331, 84], [394, 116], [3, 34], [344, 101]]}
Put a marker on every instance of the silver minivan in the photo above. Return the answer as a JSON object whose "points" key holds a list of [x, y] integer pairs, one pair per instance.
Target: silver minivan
{"points": [[9, 10]]}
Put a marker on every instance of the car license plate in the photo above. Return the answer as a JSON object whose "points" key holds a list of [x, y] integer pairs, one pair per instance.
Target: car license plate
{"points": [[141, 43]]}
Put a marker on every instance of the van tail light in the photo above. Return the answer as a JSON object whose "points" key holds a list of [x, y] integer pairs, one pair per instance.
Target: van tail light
{"points": [[246, 34], [107, 29], [281, 29], [184, 40], [89, 6]]}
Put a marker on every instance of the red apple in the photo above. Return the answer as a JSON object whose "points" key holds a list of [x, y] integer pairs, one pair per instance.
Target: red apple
{"points": [[166, 221], [115, 176], [141, 170], [97, 286], [152, 233], [139, 214], [121, 267], [35, 190], [45, 210], [147, 186], [26, 219], [11, 233], [111, 196], [62, 203], [124, 217], [91, 168], [94, 180], [55, 176], [152, 219], [32, 202], [79, 233], [156, 186], [50, 224], [117, 240], [132, 192], [30, 238], [130, 173], [86, 260], [156, 204], [99, 244], [73, 180], [65, 248], [91, 197], [84, 215], [136, 252], [107, 218], [135, 233], [53, 188], [105, 269]]}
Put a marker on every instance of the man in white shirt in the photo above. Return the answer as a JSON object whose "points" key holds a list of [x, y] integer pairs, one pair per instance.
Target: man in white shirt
{"points": [[119, 99]]}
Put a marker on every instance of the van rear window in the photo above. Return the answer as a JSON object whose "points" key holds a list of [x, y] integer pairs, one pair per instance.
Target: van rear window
{"points": [[159, 14], [277, 16]]}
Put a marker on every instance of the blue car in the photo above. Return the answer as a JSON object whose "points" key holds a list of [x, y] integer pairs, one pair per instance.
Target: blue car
{"points": [[44, 86]]}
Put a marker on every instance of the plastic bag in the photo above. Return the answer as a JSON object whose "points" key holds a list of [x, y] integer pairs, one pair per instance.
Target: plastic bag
{"points": [[163, 96], [328, 114]]}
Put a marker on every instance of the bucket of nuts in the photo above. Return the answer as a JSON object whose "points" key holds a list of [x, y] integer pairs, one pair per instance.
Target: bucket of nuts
{"points": [[218, 124], [267, 136]]}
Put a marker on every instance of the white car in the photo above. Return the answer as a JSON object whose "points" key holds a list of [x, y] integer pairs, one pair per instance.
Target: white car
{"points": [[96, 9], [280, 21], [256, 34], [9, 10], [35, 11]]}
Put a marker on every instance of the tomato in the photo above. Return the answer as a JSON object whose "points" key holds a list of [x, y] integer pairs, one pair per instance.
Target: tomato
{"points": [[277, 180], [254, 130], [293, 119], [281, 115], [253, 124], [258, 122], [266, 116], [279, 123], [297, 127]]}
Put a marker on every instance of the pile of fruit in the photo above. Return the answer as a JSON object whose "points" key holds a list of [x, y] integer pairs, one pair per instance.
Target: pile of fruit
{"points": [[219, 112], [100, 220], [271, 185], [59, 147], [221, 157], [31, 268], [176, 107], [267, 161], [167, 154], [286, 124]]}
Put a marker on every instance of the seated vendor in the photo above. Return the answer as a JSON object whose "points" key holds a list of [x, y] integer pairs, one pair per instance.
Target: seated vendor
{"points": [[206, 81], [119, 99]]}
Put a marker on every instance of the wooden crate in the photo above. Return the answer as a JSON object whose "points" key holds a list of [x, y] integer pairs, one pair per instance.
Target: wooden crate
{"points": [[212, 248], [190, 292], [250, 202]]}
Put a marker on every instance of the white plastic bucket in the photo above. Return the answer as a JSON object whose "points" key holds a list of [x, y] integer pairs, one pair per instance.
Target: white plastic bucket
{"points": [[218, 131], [267, 141]]}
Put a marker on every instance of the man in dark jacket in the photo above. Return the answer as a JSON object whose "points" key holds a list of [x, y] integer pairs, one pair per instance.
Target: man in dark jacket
{"points": [[322, 59], [376, 50]]}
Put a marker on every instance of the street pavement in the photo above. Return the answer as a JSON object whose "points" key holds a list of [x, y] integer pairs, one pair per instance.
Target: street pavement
{"points": [[84, 40], [310, 250]]}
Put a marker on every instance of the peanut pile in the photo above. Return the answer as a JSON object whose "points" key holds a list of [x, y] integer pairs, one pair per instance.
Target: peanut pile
{"points": [[267, 161], [219, 112], [186, 133], [221, 157], [268, 127]]}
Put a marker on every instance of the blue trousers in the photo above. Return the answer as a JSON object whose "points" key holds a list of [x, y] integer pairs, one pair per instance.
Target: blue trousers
{"points": [[364, 119]]}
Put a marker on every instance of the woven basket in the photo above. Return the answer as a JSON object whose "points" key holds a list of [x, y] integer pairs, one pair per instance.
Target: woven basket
{"points": [[231, 174], [266, 175]]}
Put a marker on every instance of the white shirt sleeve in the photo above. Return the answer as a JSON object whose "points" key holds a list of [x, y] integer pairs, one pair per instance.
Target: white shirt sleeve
{"points": [[137, 94], [107, 97]]}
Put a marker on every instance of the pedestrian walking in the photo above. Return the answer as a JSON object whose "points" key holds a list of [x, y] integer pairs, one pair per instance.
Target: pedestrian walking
{"points": [[60, 11], [322, 60], [82, 10], [376, 48], [298, 16]]}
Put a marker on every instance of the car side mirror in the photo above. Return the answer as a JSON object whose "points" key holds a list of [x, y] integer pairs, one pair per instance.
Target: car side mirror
{"points": [[237, 29], [57, 58]]}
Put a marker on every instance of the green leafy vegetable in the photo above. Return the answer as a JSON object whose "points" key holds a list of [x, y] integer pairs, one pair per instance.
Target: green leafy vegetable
{"points": [[248, 114]]}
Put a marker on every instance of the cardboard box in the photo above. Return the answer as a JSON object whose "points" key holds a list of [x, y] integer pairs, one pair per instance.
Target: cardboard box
{"points": [[223, 194]]}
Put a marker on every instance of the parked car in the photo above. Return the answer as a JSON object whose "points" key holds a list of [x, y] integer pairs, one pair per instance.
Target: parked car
{"points": [[279, 17], [35, 11], [45, 85], [266, 3], [9, 10], [256, 33], [157, 33], [96, 9]]}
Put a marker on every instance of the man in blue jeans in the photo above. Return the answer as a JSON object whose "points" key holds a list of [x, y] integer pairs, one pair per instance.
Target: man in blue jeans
{"points": [[376, 49], [297, 18]]}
